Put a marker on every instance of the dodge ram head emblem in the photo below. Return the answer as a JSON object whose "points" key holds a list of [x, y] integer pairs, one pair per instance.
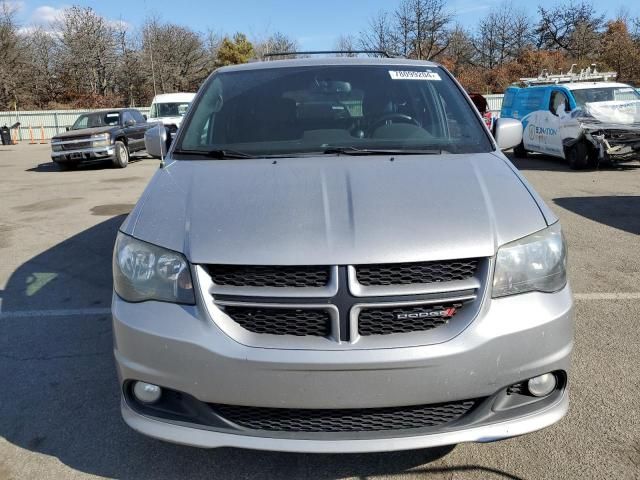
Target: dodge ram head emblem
{"points": [[440, 313]]}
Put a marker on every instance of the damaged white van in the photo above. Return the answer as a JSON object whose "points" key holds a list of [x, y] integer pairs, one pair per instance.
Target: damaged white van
{"points": [[575, 117]]}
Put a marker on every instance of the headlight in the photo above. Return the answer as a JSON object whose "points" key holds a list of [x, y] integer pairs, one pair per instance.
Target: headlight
{"points": [[534, 263], [142, 271], [101, 140]]}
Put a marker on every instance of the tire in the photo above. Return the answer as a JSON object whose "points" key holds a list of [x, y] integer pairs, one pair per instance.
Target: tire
{"points": [[578, 156], [121, 159], [519, 151]]}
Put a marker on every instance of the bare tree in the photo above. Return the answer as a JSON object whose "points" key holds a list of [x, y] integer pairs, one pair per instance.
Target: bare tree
{"points": [[416, 29], [41, 55], [277, 42], [346, 43], [461, 51], [86, 52], [502, 35], [11, 52], [176, 56], [572, 27], [403, 31], [430, 22], [378, 36]]}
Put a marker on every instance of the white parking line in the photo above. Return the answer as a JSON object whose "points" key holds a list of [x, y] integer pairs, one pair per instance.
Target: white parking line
{"points": [[55, 313], [608, 296]]}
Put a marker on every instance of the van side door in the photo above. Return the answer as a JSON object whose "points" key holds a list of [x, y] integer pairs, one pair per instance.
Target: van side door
{"points": [[532, 101], [559, 109]]}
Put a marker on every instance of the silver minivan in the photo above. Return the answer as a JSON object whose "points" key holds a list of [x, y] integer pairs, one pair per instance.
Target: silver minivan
{"points": [[336, 257]]}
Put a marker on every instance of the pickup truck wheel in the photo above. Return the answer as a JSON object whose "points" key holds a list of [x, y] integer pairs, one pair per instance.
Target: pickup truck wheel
{"points": [[519, 151], [578, 156], [121, 158]]}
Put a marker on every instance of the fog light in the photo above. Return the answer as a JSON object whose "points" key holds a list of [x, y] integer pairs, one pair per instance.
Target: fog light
{"points": [[146, 392], [542, 385]]}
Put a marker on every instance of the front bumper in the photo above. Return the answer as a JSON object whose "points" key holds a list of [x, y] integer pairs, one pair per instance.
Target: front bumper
{"points": [[180, 348], [197, 437], [84, 154]]}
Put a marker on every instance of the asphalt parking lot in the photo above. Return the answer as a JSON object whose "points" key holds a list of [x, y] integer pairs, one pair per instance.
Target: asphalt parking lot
{"points": [[59, 402]]}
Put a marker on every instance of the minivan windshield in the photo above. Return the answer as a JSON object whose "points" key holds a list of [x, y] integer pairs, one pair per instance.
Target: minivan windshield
{"points": [[332, 109], [604, 94]]}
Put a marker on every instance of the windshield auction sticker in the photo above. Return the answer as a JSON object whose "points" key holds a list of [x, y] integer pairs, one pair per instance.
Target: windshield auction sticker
{"points": [[412, 75]]}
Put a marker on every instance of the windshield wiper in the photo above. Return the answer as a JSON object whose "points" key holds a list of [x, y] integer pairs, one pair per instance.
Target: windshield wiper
{"points": [[217, 154], [381, 151]]}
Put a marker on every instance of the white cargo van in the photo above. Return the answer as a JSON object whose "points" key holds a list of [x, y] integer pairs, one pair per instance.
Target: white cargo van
{"points": [[170, 108]]}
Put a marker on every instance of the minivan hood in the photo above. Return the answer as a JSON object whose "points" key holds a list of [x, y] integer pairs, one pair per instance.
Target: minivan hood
{"points": [[335, 210]]}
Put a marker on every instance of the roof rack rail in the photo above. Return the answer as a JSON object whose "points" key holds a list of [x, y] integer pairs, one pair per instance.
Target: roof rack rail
{"points": [[589, 74], [381, 53]]}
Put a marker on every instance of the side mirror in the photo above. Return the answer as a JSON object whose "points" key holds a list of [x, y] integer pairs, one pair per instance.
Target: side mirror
{"points": [[508, 133], [155, 141], [129, 123], [145, 117]]}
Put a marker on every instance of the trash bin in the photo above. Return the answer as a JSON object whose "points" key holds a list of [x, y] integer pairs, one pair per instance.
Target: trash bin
{"points": [[5, 134]]}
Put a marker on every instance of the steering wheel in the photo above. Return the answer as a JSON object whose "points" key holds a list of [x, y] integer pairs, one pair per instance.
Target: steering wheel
{"points": [[390, 117]]}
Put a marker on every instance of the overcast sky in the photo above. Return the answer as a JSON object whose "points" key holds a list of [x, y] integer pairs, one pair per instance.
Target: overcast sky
{"points": [[314, 24]]}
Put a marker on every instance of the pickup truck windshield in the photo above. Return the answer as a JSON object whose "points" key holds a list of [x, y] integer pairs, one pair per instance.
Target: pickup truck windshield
{"points": [[310, 109], [98, 119], [604, 94]]}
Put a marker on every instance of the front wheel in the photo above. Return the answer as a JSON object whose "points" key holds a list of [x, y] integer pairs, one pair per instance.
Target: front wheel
{"points": [[121, 159], [578, 156]]}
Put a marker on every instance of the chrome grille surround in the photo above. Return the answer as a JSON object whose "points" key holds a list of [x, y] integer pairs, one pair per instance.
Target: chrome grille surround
{"points": [[343, 298]]}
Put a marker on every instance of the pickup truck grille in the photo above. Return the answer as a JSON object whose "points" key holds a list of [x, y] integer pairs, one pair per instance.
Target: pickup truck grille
{"points": [[344, 420], [76, 146], [328, 307], [416, 273]]}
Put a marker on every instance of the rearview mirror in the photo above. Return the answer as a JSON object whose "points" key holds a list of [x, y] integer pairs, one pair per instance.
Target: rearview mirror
{"points": [[155, 141], [508, 133]]}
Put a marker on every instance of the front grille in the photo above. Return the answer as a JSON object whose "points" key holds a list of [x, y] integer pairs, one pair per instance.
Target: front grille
{"points": [[416, 273], [76, 146], [269, 276], [344, 420], [282, 321], [388, 320]]}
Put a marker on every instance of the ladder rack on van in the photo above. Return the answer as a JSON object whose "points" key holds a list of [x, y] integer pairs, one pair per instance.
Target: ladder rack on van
{"points": [[589, 74]]}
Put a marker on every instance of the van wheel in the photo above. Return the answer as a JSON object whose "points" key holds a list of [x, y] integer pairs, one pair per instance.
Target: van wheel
{"points": [[519, 151], [122, 155], [578, 156]]}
